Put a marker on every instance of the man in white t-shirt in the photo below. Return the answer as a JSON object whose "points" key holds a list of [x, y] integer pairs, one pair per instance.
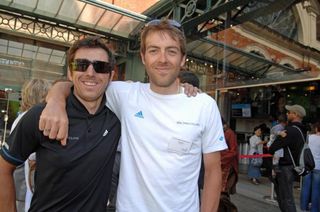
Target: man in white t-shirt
{"points": [[164, 132]]}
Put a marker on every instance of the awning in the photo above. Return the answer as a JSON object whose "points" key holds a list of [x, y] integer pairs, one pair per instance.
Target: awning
{"points": [[233, 67], [99, 16]]}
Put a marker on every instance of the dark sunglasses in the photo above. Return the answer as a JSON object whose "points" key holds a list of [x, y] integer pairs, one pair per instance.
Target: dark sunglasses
{"points": [[82, 65], [171, 22]]}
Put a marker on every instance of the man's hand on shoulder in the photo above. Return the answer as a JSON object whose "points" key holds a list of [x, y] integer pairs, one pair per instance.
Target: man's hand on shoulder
{"points": [[190, 90], [54, 120]]}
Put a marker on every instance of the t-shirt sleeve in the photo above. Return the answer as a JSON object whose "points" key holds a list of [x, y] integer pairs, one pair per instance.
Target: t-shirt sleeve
{"points": [[116, 94], [213, 136], [23, 140]]}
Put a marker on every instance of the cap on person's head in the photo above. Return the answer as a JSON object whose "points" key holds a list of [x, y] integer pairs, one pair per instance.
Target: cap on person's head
{"points": [[298, 109]]}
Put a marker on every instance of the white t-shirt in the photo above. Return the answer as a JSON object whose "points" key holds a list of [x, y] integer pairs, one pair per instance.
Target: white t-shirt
{"points": [[314, 145], [163, 137], [254, 146]]}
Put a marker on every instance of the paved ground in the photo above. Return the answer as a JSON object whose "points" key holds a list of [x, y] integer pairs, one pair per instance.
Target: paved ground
{"points": [[248, 204], [256, 198]]}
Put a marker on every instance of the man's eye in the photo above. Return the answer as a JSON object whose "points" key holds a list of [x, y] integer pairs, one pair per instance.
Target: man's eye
{"points": [[173, 52], [152, 50]]}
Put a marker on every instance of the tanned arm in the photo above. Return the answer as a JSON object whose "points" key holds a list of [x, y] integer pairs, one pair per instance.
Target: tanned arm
{"points": [[7, 191], [53, 120], [212, 182]]}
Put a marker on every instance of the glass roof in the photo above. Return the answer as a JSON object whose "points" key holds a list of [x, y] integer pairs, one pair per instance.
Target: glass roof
{"points": [[98, 15], [117, 19], [21, 61], [246, 68]]}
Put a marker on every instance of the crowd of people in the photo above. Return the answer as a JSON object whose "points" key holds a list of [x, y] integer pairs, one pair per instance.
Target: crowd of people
{"points": [[168, 139]]}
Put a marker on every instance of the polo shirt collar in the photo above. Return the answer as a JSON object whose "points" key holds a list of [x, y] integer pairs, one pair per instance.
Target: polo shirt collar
{"points": [[79, 107]]}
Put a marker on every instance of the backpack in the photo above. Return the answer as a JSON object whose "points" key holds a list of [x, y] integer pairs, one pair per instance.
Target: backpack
{"points": [[306, 160]]}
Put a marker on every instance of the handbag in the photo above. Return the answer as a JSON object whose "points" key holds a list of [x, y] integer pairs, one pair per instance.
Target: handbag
{"points": [[257, 162]]}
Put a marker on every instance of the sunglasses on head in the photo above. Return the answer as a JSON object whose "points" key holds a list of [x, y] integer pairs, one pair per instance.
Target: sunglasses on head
{"points": [[171, 22], [82, 65]]}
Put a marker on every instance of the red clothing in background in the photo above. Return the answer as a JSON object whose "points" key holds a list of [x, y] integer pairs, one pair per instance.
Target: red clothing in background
{"points": [[229, 162]]}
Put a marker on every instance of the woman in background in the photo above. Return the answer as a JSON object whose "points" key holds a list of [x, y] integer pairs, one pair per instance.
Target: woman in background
{"points": [[256, 147], [311, 182], [33, 92]]}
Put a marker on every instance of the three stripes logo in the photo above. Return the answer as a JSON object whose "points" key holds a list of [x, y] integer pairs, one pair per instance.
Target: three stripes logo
{"points": [[139, 114]]}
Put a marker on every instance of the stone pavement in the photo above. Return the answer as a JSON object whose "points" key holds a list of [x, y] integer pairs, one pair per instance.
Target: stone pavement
{"points": [[262, 192], [256, 198]]}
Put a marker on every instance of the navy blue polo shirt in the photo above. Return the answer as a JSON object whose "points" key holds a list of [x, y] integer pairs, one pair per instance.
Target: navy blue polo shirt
{"points": [[76, 177]]}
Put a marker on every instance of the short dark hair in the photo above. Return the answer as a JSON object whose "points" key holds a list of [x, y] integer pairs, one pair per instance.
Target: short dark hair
{"points": [[189, 77], [89, 42], [282, 118], [256, 128]]}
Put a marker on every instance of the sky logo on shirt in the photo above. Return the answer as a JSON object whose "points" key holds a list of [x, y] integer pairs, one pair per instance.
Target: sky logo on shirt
{"points": [[139, 114]]}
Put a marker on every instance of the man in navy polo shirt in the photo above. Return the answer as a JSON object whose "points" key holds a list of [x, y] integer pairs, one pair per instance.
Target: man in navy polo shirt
{"points": [[76, 177]]}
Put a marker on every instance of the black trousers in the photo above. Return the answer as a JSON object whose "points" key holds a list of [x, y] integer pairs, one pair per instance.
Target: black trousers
{"points": [[284, 188]]}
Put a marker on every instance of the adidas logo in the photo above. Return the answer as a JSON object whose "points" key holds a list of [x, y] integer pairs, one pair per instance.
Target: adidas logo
{"points": [[139, 114], [105, 133]]}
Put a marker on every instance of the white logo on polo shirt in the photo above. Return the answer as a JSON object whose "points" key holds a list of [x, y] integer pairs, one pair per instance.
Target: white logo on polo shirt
{"points": [[105, 133]]}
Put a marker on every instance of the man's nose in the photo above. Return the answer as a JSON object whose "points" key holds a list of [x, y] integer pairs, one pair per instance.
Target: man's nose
{"points": [[90, 70], [163, 57]]}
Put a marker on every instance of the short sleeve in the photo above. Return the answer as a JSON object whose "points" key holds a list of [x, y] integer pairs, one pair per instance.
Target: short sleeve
{"points": [[116, 94], [23, 140], [213, 136]]}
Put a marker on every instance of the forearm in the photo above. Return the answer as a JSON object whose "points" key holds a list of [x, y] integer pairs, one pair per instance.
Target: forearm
{"points": [[59, 92], [212, 185], [211, 192], [7, 191], [276, 145]]}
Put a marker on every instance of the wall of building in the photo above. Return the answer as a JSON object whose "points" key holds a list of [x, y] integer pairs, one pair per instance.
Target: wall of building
{"points": [[134, 69]]}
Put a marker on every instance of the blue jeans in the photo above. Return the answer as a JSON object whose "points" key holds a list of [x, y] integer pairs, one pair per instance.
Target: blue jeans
{"points": [[253, 171], [310, 191], [284, 188]]}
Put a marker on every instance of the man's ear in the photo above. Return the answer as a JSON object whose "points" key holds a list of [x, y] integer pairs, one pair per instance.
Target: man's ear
{"points": [[69, 75], [183, 61], [142, 57], [111, 75]]}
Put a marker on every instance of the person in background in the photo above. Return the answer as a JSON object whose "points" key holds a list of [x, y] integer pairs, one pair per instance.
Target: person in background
{"points": [[311, 182], [33, 92], [277, 130], [256, 147], [229, 168], [164, 132], [293, 140], [189, 77], [76, 177]]}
